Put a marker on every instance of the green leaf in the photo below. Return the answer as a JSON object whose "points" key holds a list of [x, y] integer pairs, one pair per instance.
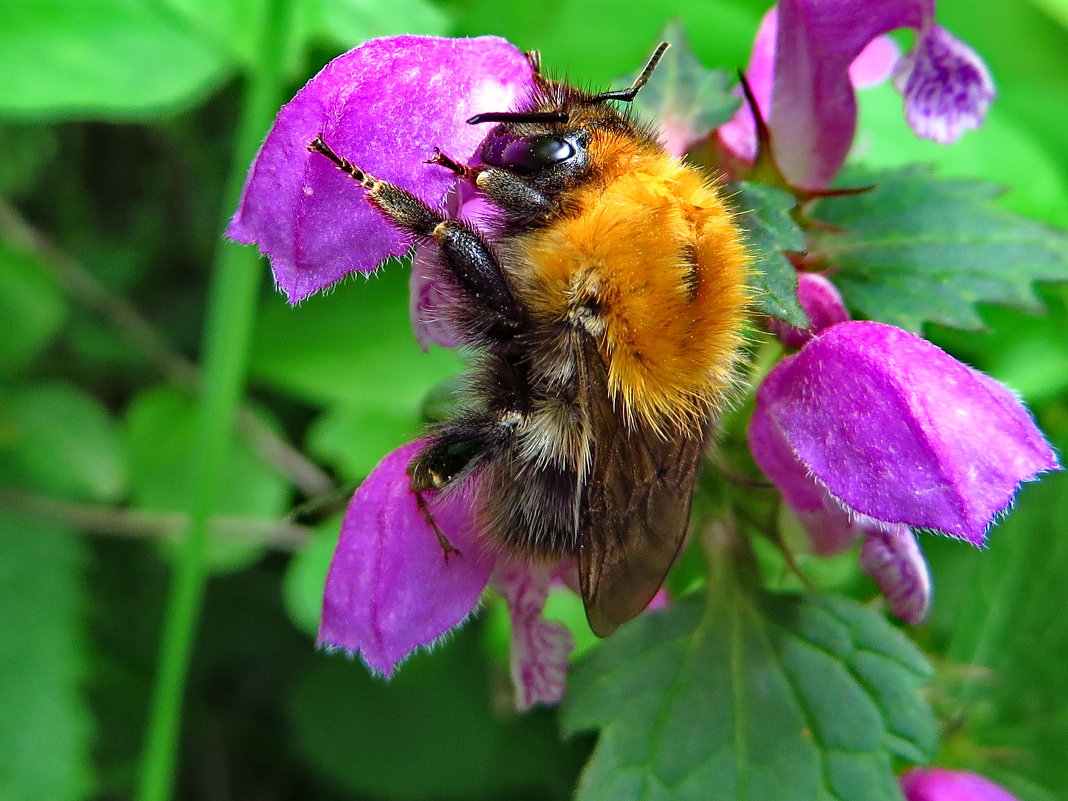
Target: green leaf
{"points": [[32, 307], [770, 698], [27, 150], [101, 58], [353, 347], [58, 439], [350, 22], [1058, 9], [920, 249], [721, 33], [764, 213], [1002, 150], [683, 99], [45, 728], [160, 426]]}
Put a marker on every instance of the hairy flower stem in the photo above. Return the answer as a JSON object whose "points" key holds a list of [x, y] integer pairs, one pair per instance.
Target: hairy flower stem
{"points": [[732, 565], [227, 335]]}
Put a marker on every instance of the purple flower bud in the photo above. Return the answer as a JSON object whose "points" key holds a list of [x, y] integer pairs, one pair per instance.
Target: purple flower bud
{"points": [[891, 556], [895, 429], [947, 87], [808, 57], [938, 784], [540, 647], [821, 302], [384, 106], [390, 588]]}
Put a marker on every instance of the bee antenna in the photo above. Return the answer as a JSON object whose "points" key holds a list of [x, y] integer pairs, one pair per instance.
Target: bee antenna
{"points": [[519, 116], [627, 95]]}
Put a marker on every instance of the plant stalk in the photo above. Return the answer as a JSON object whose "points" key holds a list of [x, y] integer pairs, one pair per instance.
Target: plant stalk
{"points": [[227, 335]]}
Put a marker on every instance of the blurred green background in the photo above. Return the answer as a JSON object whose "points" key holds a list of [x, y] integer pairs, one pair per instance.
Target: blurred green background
{"points": [[126, 127]]}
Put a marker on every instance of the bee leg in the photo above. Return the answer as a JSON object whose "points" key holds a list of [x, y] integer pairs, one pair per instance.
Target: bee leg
{"points": [[451, 454], [447, 548], [534, 57], [464, 253], [447, 162], [514, 196]]}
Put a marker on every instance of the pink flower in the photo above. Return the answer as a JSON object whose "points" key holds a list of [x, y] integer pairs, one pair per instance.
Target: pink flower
{"points": [[387, 105], [872, 430], [822, 304], [810, 55], [393, 588]]}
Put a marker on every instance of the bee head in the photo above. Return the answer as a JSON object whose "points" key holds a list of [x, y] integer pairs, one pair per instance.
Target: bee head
{"points": [[543, 143]]}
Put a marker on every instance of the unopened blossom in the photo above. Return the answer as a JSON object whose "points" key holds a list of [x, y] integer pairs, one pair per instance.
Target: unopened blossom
{"points": [[891, 427], [891, 556], [870, 431], [803, 75], [386, 106], [938, 784]]}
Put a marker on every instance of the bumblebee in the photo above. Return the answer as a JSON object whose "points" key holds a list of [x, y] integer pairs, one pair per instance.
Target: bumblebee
{"points": [[604, 305]]}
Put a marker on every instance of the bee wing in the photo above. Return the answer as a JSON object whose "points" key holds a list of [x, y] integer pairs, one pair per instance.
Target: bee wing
{"points": [[635, 510]]}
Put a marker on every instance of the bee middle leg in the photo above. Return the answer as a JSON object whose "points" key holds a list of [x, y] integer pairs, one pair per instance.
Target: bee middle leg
{"points": [[453, 453], [514, 196]]}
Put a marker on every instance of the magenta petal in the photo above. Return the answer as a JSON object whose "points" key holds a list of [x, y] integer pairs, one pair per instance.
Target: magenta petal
{"points": [[813, 108], [947, 87], [827, 524], [540, 648], [390, 589], [938, 784], [430, 299], [897, 430], [385, 106], [891, 556]]}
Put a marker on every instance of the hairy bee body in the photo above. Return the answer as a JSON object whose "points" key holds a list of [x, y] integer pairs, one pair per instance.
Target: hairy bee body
{"points": [[604, 307], [634, 298]]}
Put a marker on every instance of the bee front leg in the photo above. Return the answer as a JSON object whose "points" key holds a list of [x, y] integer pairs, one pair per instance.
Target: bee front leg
{"points": [[514, 196], [465, 254], [508, 191], [447, 548]]}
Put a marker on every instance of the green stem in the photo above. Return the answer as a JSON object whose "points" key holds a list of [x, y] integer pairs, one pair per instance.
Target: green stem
{"points": [[227, 334]]}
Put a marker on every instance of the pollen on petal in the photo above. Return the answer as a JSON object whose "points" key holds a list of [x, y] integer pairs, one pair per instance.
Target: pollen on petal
{"points": [[947, 87], [391, 588]]}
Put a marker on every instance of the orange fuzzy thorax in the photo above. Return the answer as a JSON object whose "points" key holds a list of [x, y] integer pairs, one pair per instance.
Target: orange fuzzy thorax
{"points": [[652, 262]]}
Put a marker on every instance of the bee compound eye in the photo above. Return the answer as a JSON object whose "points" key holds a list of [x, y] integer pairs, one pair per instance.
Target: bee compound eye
{"points": [[530, 154]]}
